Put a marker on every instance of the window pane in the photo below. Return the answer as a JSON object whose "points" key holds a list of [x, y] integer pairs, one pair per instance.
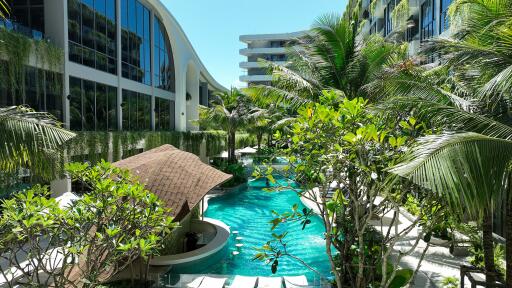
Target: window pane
{"points": [[112, 108], [54, 94], [89, 106], [75, 103], [101, 107]]}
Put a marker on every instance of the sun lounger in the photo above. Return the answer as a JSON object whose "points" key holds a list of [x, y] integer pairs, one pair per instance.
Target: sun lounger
{"points": [[243, 282], [296, 281], [269, 282], [211, 282], [190, 281]]}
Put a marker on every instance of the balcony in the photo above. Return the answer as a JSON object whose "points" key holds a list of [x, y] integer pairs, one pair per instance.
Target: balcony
{"points": [[23, 30], [253, 51], [248, 65], [256, 78]]}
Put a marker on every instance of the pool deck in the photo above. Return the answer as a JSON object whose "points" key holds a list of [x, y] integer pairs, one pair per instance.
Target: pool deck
{"points": [[437, 264]]}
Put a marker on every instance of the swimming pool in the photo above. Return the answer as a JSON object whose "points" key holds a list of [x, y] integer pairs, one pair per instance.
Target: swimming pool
{"points": [[248, 211]]}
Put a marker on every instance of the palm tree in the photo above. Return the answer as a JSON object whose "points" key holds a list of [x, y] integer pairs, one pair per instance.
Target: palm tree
{"points": [[328, 58], [4, 9], [30, 141], [231, 111], [472, 167]]}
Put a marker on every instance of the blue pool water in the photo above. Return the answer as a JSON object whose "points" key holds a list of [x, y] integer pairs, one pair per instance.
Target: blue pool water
{"points": [[248, 211]]}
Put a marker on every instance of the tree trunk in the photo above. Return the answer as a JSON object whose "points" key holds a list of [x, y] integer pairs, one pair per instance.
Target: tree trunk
{"points": [[488, 247], [508, 234], [259, 138], [231, 146], [328, 244]]}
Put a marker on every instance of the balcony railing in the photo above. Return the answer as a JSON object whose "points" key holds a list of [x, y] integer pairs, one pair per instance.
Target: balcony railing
{"points": [[21, 29]]}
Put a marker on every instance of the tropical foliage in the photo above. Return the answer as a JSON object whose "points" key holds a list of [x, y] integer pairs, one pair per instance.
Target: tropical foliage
{"points": [[329, 58], [229, 111], [4, 9], [31, 140], [339, 153], [83, 243], [468, 97]]}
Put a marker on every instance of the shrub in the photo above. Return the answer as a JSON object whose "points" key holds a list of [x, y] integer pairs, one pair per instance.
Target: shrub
{"points": [[92, 239], [235, 169]]}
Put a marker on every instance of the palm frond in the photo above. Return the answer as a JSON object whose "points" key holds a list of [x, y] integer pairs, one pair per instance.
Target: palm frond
{"points": [[469, 168], [448, 117], [5, 10], [29, 139]]}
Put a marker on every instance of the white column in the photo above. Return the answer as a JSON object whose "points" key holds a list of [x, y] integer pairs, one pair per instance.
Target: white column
{"points": [[193, 103], [180, 107], [56, 29]]}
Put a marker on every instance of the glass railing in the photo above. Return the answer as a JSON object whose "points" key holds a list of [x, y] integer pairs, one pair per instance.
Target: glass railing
{"points": [[21, 29]]}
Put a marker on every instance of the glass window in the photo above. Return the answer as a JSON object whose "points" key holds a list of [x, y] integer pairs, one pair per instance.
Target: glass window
{"points": [[444, 22], [41, 90], [388, 26], [427, 19], [163, 60], [92, 33], [53, 94], [136, 111], [89, 103], [93, 106], [136, 49], [162, 114], [29, 14], [112, 108], [101, 107], [75, 103]]}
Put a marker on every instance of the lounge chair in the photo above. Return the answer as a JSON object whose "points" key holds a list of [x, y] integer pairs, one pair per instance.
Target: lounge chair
{"points": [[243, 282], [269, 282], [296, 281], [190, 281], [212, 282]]}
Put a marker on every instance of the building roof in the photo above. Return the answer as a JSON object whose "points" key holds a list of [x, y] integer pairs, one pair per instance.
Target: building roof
{"points": [[178, 178]]}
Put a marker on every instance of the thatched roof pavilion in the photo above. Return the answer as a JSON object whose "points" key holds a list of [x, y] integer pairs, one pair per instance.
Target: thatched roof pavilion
{"points": [[178, 178]]}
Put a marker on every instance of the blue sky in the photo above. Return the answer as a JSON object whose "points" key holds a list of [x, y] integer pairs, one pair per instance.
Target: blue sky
{"points": [[213, 26]]}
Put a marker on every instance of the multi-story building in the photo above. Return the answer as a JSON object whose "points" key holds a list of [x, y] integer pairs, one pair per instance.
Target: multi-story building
{"points": [[413, 21], [270, 47], [127, 65]]}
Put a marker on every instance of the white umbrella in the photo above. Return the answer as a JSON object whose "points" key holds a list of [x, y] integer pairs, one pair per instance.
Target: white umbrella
{"points": [[65, 200], [247, 150]]}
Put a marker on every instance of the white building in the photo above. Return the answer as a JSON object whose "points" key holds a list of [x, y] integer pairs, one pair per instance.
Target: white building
{"points": [[270, 47], [127, 65]]}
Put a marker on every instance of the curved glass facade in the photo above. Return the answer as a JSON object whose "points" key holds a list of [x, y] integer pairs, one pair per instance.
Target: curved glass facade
{"points": [[92, 33], [164, 61], [135, 41]]}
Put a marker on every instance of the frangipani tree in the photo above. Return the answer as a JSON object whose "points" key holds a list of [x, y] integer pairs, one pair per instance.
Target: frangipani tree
{"points": [[230, 111]]}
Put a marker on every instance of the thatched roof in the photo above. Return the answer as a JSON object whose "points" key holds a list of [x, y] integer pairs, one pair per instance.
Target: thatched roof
{"points": [[179, 178]]}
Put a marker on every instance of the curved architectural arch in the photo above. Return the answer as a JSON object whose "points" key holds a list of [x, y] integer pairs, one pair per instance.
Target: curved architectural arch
{"points": [[185, 57]]}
